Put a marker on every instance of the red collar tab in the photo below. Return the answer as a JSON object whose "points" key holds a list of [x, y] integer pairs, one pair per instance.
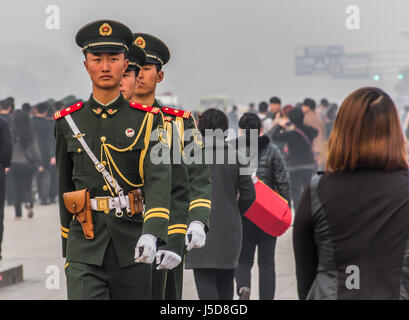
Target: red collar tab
{"points": [[62, 113], [144, 107], [176, 112]]}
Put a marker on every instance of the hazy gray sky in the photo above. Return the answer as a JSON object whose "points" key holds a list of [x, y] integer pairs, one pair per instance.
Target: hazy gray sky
{"points": [[243, 49]]}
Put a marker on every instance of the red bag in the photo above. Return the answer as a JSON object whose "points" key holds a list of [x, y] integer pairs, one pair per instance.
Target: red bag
{"points": [[270, 212]]}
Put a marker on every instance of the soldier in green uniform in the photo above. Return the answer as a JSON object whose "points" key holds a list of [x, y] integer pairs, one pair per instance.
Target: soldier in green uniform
{"points": [[191, 184], [105, 171]]}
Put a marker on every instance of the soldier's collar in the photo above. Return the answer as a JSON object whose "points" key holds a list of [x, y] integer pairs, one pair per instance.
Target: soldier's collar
{"points": [[109, 109]]}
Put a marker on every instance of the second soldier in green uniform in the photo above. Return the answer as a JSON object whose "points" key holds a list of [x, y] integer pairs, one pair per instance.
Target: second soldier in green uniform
{"points": [[191, 184]]}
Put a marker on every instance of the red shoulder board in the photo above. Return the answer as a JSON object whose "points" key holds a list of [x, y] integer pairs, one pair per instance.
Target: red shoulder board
{"points": [[144, 107], [169, 119], [176, 112], [62, 113]]}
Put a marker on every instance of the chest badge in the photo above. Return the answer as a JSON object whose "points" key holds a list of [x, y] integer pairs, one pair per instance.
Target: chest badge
{"points": [[78, 136], [130, 132]]}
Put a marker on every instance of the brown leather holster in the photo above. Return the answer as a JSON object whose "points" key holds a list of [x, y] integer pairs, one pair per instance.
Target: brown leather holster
{"points": [[79, 204], [135, 201]]}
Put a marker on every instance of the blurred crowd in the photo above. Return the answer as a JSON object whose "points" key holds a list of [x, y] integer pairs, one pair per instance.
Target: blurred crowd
{"points": [[32, 173]]}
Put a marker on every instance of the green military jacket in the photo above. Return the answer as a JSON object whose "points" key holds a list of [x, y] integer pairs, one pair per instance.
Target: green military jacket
{"points": [[126, 131], [191, 182]]}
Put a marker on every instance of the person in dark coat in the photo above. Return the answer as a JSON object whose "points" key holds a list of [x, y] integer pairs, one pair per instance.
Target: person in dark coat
{"points": [[6, 112], [232, 195], [351, 229], [43, 129], [300, 159], [272, 170], [24, 163], [6, 150]]}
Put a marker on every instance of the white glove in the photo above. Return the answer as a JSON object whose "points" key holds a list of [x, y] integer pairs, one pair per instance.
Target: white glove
{"points": [[147, 242], [197, 232], [170, 260]]}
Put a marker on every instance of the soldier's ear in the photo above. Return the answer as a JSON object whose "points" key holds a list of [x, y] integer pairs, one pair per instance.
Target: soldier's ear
{"points": [[161, 75], [126, 64], [86, 64]]}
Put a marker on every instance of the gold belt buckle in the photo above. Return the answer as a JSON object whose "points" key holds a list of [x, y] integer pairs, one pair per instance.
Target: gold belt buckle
{"points": [[103, 204]]}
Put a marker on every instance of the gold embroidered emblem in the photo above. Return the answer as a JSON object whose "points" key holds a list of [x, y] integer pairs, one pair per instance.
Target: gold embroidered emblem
{"points": [[105, 30], [97, 111], [140, 42], [111, 111], [78, 136]]}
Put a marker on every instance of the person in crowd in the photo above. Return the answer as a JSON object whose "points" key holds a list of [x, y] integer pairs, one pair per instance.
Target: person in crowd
{"points": [[24, 163], [6, 149], [351, 229], [275, 106], [286, 109], [43, 129], [232, 195], [300, 159], [6, 112], [26, 107], [272, 170], [311, 118], [252, 108], [322, 108], [233, 120], [266, 121], [330, 118]]}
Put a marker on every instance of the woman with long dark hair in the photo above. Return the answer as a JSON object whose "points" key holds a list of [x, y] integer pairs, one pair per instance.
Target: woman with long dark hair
{"points": [[24, 163], [351, 230]]}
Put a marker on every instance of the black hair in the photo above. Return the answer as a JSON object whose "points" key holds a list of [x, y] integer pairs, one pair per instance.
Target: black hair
{"points": [[263, 106], [22, 129], [42, 107], [275, 100], [324, 102], [296, 116], [309, 103], [212, 119], [249, 121], [158, 67]]}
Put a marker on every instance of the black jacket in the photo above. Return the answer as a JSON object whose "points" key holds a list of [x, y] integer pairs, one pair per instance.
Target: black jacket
{"points": [[351, 231], [232, 195], [272, 169], [299, 150], [6, 145], [44, 130]]}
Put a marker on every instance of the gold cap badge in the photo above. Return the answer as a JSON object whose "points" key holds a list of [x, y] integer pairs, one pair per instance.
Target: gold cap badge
{"points": [[140, 42], [105, 30]]}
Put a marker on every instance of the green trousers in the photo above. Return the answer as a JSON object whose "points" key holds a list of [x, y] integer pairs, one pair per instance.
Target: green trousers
{"points": [[167, 284], [108, 282]]}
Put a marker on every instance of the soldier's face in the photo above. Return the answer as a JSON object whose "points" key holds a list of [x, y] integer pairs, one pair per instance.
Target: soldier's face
{"points": [[147, 80], [128, 83], [106, 69]]}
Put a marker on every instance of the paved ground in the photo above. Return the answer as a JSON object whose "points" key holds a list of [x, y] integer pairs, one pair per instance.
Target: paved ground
{"points": [[36, 244]]}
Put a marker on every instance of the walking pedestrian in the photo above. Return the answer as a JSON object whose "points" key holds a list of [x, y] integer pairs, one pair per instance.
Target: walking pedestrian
{"points": [[232, 193], [273, 172], [25, 163], [352, 225], [6, 150], [300, 159]]}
